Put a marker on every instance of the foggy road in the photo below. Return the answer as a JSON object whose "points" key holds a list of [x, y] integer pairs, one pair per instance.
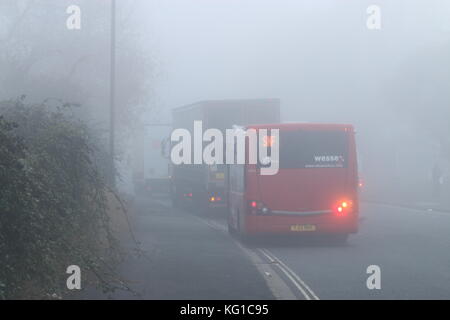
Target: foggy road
{"points": [[411, 247], [191, 256]]}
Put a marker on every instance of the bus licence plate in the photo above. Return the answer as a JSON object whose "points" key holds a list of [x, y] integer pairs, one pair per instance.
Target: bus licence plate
{"points": [[303, 227]]}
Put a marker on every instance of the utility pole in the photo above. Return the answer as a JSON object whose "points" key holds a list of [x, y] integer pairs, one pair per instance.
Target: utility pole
{"points": [[112, 110]]}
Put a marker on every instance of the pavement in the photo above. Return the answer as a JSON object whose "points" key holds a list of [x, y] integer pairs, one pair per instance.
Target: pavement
{"points": [[183, 258]]}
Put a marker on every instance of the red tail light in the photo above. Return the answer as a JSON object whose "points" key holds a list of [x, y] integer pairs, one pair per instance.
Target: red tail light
{"points": [[257, 207], [343, 208]]}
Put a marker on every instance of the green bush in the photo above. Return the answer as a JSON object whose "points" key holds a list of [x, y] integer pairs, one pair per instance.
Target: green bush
{"points": [[53, 202]]}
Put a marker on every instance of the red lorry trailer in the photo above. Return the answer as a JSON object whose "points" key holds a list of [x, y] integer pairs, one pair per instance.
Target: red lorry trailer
{"points": [[205, 186]]}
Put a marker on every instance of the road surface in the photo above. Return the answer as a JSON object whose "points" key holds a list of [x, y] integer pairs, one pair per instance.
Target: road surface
{"points": [[189, 256]]}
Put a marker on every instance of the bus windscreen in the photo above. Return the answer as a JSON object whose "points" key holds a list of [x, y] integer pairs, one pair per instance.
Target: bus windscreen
{"points": [[313, 149]]}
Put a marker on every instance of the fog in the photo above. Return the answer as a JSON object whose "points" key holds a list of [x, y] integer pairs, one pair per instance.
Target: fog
{"points": [[324, 64], [321, 58]]}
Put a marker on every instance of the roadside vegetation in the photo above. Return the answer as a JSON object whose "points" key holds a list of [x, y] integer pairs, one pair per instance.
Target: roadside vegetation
{"points": [[54, 202]]}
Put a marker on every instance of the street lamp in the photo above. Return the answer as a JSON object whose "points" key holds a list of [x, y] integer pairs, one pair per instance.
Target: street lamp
{"points": [[112, 111]]}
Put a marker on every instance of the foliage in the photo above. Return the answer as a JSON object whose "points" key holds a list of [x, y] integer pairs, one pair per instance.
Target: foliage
{"points": [[53, 202]]}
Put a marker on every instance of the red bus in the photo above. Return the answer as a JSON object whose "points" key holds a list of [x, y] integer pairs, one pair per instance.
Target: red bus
{"points": [[314, 191]]}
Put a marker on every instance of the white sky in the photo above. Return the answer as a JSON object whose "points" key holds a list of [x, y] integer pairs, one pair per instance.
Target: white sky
{"points": [[313, 54]]}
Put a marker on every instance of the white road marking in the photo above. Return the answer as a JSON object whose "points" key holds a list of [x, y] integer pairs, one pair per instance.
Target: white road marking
{"points": [[304, 289], [294, 282], [300, 284], [275, 283]]}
